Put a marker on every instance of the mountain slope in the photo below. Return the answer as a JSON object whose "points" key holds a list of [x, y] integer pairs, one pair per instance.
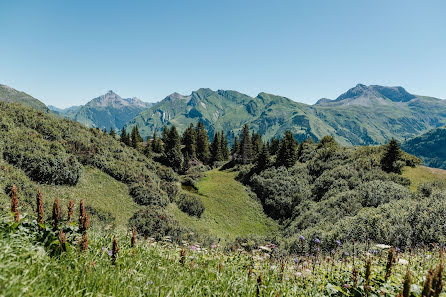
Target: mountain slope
{"points": [[106, 111], [430, 147], [363, 115], [9, 94]]}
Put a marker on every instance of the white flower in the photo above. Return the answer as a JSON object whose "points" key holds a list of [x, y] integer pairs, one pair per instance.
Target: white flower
{"points": [[403, 261]]}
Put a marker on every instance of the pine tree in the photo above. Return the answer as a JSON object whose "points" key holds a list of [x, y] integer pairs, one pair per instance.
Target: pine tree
{"points": [[172, 151], [263, 159], [190, 141], [135, 137], [164, 134], [235, 149], [245, 146], [125, 137], [112, 132], [202, 149], [224, 146], [257, 144], [274, 146], [287, 154], [157, 146], [391, 160], [216, 153], [148, 149]]}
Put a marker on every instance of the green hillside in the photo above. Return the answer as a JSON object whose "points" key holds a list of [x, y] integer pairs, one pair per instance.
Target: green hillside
{"points": [[430, 147], [11, 95], [69, 161], [364, 115], [230, 210]]}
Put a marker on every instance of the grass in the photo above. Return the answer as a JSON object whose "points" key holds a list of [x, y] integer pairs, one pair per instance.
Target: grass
{"points": [[100, 191], [229, 209], [422, 174], [154, 269]]}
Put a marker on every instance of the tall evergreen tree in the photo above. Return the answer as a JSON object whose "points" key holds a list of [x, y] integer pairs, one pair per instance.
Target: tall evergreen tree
{"points": [[216, 152], [257, 144], [125, 137], [172, 150], [391, 160], [235, 149], [287, 154], [148, 149], [245, 146], [224, 146], [274, 145], [263, 160], [190, 141], [112, 132], [165, 134], [135, 137], [157, 145], [202, 149]]}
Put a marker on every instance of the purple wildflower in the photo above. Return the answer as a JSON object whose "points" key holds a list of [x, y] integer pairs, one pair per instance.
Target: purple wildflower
{"points": [[346, 254], [296, 260], [193, 247], [110, 253], [301, 237], [347, 286], [333, 252], [338, 242], [317, 241]]}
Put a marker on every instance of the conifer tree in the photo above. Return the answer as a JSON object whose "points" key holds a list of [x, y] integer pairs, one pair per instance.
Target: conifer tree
{"points": [[125, 137], [172, 150], [257, 144], [245, 146], [112, 132], [164, 134], [263, 159], [135, 137], [190, 141], [202, 149], [287, 154], [216, 153], [148, 149], [224, 146], [157, 146], [235, 149], [274, 145], [391, 160]]}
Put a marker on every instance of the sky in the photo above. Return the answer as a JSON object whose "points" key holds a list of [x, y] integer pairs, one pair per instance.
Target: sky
{"points": [[68, 52]]}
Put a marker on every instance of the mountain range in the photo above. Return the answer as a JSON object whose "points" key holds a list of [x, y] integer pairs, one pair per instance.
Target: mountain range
{"points": [[105, 112], [9, 94], [364, 115]]}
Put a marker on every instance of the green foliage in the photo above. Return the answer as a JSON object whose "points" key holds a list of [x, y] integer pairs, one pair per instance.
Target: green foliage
{"points": [[391, 160], [172, 156], [135, 137], [287, 154], [190, 204], [203, 153], [148, 194], [246, 152], [155, 222], [189, 140]]}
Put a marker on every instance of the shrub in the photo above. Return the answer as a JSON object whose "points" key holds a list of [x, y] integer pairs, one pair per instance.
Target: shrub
{"points": [[155, 222], [191, 205], [148, 194]]}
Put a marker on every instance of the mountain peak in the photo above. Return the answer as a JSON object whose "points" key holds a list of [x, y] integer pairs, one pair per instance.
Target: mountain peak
{"points": [[369, 95]]}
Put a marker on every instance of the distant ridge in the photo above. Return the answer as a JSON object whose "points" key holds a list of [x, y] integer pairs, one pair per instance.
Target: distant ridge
{"points": [[9, 94]]}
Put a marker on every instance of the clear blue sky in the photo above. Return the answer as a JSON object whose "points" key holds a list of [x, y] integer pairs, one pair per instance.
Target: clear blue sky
{"points": [[67, 52]]}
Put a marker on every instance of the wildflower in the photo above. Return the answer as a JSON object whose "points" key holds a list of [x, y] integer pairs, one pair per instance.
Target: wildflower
{"points": [[193, 247], [390, 260], [213, 246], [62, 240], [15, 203], [56, 213], [110, 253], [84, 242], [317, 241], [407, 284], [70, 210], [115, 250], [183, 256], [333, 252], [338, 242], [40, 213], [346, 254], [403, 261], [296, 260], [301, 238], [347, 286], [133, 240], [104, 248]]}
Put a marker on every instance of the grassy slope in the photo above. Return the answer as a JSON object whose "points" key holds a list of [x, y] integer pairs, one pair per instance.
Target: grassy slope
{"points": [[100, 191], [230, 210], [422, 174]]}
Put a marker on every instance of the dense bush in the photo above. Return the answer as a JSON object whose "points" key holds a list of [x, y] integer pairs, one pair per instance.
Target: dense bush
{"points": [[148, 194], [155, 222], [191, 205]]}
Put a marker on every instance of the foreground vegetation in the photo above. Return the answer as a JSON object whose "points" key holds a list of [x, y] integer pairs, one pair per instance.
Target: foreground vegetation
{"points": [[160, 268]]}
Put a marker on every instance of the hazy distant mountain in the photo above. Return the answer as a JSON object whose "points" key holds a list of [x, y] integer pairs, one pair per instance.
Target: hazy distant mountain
{"points": [[12, 95], [430, 147], [106, 111], [362, 115]]}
